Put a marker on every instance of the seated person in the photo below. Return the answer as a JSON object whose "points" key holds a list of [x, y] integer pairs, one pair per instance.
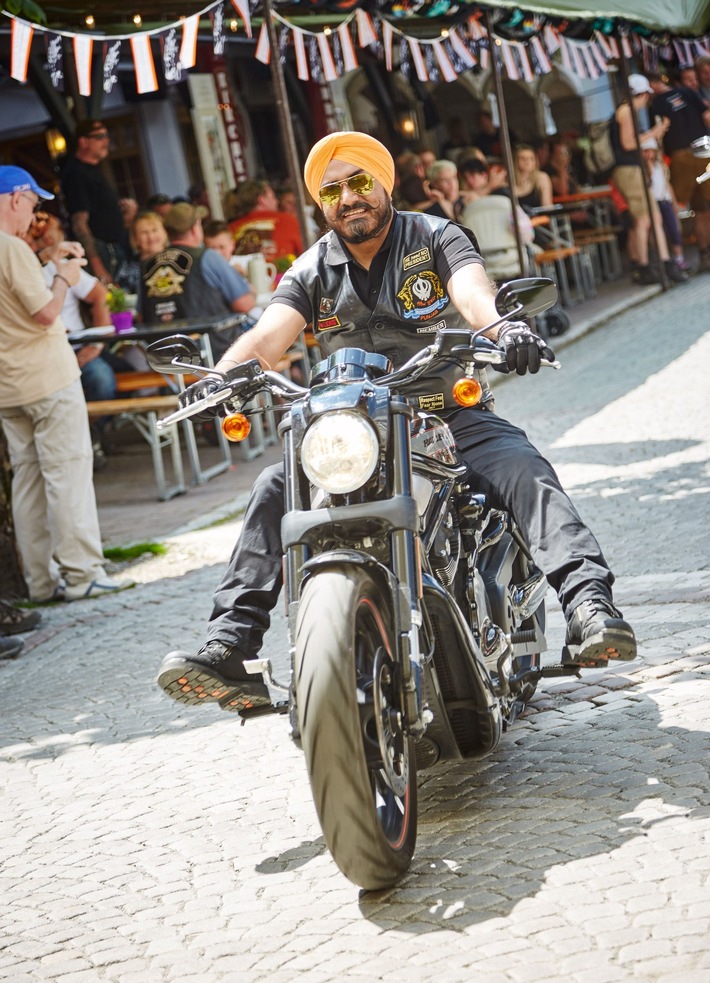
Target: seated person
{"points": [[188, 282]]}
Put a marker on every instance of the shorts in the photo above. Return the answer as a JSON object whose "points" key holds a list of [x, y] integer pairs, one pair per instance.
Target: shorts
{"points": [[630, 182], [684, 170]]}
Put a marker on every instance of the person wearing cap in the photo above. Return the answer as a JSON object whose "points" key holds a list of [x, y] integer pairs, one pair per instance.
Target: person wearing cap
{"points": [[385, 281], [43, 411], [629, 178], [689, 120], [662, 192], [185, 281], [93, 205]]}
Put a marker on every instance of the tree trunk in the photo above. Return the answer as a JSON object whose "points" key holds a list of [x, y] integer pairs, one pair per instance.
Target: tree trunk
{"points": [[12, 583]]}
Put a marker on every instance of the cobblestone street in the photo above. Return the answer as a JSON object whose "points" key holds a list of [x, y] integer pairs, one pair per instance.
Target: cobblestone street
{"points": [[143, 842]]}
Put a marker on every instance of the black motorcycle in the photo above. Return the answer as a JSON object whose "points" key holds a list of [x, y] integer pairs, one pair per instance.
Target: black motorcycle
{"points": [[416, 614]]}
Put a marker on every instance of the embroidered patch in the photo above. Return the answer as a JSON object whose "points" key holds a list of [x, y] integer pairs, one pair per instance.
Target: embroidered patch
{"points": [[165, 281], [328, 323], [431, 402], [431, 328], [416, 259], [422, 296], [326, 305]]}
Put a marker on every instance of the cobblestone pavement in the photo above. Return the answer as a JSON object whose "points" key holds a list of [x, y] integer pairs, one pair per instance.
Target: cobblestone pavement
{"points": [[143, 842]]}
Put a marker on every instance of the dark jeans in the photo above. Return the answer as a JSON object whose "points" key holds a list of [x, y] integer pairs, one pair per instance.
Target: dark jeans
{"points": [[502, 463]]}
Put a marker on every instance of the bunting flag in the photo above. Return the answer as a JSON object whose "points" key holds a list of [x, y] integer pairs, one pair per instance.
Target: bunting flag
{"points": [[552, 39], [509, 62], [172, 66], [218, 38], [541, 55], [365, 28], [326, 56], [263, 48], [188, 47], [55, 61], [446, 68], [20, 42], [626, 47], [387, 38], [461, 50], [242, 8], [418, 59], [146, 78], [299, 46], [683, 54], [112, 53], [83, 51], [347, 47]]}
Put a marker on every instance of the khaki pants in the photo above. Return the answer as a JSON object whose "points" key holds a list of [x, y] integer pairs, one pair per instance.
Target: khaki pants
{"points": [[53, 500]]}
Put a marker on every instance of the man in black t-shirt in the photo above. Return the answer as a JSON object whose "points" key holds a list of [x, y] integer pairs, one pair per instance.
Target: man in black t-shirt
{"points": [[93, 204], [690, 120]]}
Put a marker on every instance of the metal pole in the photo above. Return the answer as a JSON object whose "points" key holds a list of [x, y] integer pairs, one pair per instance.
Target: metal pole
{"points": [[284, 113], [505, 139], [647, 193]]}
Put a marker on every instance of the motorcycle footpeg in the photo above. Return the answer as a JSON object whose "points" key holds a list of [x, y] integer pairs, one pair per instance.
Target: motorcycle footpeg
{"points": [[263, 711], [560, 669], [256, 667]]}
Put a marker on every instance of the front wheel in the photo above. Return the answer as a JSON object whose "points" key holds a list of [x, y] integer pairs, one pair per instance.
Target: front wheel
{"points": [[360, 764]]}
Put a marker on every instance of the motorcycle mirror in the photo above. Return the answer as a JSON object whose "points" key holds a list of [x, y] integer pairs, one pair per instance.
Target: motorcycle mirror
{"points": [[176, 354], [530, 296]]}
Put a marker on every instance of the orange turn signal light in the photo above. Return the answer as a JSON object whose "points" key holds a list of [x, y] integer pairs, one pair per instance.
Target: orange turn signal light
{"points": [[467, 392], [236, 427]]}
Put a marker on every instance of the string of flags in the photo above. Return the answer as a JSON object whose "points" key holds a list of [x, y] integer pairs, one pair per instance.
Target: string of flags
{"points": [[327, 54]]}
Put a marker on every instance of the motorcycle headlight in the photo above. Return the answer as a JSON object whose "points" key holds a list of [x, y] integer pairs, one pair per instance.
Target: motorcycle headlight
{"points": [[339, 452]]}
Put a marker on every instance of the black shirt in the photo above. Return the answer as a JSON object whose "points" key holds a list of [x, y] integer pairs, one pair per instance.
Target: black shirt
{"points": [[85, 189], [685, 109], [456, 250]]}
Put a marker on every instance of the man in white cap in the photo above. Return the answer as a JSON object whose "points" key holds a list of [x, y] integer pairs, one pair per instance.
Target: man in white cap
{"points": [[43, 411]]}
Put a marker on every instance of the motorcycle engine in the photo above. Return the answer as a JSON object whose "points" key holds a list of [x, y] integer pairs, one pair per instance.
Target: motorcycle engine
{"points": [[445, 553]]}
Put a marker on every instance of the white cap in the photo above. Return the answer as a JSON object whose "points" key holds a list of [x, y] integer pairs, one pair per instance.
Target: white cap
{"points": [[639, 84]]}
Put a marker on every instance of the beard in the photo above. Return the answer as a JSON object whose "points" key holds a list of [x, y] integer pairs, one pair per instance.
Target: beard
{"points": [[360, 230]]}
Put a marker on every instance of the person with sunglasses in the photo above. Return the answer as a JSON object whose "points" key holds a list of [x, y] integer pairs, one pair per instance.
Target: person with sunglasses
{"points": [[93, 205], [386, 281], [43, 411]]}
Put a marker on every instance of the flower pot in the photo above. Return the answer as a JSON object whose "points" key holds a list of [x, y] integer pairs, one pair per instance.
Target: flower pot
{"points": [[122, 320]]}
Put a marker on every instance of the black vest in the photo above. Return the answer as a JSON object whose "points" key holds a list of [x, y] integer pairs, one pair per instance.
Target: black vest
{"points": [[412, 305]]}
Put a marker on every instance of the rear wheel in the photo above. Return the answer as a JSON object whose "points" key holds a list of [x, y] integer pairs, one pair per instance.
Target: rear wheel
{"points": [[360, 763]]}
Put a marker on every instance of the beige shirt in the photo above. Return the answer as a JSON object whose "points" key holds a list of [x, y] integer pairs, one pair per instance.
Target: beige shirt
{"points": [[36, 360]]}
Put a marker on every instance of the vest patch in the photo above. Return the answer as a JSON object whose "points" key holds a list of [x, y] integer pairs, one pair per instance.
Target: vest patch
{"points": [[422, 296], [431, 328], [326, 305], [328, 323], [416, 259], [431, 402], [164, 281]]}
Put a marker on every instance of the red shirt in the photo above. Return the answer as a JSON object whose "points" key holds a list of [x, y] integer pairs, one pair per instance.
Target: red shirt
{"points": [[275, 234]]}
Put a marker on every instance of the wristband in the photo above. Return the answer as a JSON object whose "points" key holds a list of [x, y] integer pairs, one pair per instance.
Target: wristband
{"points": [[58, 276]]}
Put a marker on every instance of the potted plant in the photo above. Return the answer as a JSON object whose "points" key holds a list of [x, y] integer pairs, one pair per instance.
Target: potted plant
{"points": [[117, 303]]}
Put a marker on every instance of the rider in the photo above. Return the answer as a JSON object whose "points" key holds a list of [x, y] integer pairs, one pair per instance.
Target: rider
{"points": [[386, 281]]}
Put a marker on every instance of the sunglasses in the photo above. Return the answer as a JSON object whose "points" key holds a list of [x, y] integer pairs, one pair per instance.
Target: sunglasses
{"points": [[103, 135], [359, 184]]}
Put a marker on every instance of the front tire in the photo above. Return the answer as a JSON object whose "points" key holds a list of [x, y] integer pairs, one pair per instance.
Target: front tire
{"points": [[347, 706]]}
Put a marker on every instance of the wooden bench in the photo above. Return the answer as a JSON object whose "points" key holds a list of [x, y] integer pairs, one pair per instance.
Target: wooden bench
{"points": [[552, 263], [142, 412]]}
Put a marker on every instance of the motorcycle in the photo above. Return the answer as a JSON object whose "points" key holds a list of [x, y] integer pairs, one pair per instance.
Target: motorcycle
{"points": [[416, 615]]}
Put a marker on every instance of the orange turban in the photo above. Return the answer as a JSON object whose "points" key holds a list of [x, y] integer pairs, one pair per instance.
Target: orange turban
{"points": [[350, 147]]}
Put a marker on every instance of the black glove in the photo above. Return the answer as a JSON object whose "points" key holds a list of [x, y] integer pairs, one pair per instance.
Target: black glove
{"points": [[196, 392], [523, 349]]}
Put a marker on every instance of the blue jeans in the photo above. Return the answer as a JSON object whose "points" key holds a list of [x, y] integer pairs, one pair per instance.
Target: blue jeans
{"points": [[98, 380]]}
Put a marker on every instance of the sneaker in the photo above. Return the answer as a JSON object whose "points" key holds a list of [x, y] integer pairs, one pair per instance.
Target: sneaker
{"points": [[96, 588], [646, 275], [10, 648], [216, 674], [56, 597], [13, 621], [674, 273], [596, 632]]}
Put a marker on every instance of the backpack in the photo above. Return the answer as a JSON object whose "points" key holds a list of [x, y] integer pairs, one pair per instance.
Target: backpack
{"points": [[599, 154]]}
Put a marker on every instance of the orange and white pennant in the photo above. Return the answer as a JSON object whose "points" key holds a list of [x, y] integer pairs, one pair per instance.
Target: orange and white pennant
{"points": [[542, 59], [21, 41], [263, 48], [242, 8], [387, 38], [326, 56], [188, 45], [445, 67], [299, 46], [509, 61], [83, 51], [365, 28], [418, 59], [347, 47], [146, 78]]}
